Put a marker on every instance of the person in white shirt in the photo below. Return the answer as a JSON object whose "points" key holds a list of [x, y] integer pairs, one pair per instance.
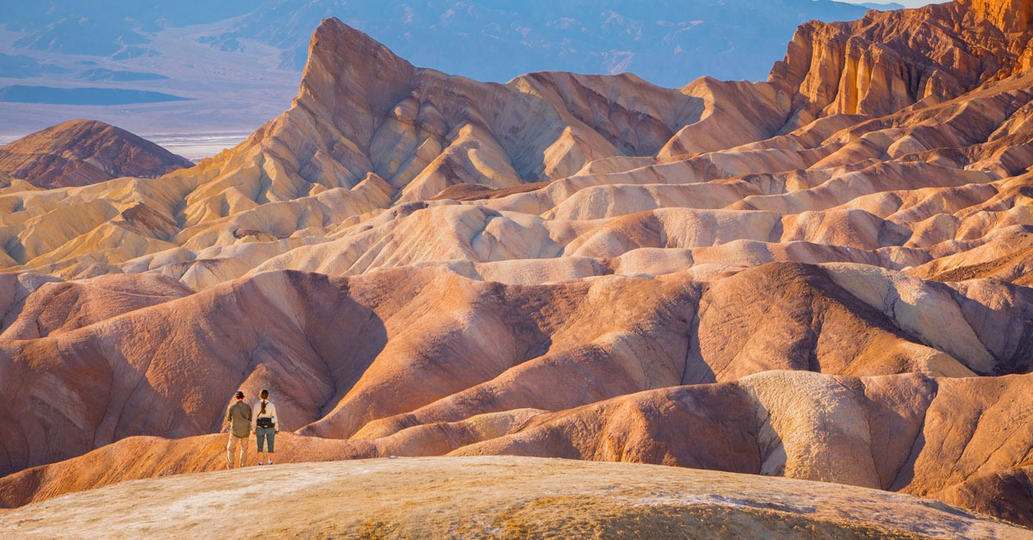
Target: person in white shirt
{"points": [[265, 425]]}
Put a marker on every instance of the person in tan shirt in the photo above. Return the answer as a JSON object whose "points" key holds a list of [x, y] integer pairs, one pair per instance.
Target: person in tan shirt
{"points": [[238, 417]]}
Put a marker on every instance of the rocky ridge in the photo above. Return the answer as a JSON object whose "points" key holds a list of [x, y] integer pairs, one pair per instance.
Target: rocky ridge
{"points": [[894, 59]]}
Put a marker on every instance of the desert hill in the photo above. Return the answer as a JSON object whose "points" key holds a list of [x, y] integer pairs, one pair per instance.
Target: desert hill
{"points": [[80, 152], [952, 439], [566, 167], [366, 356], [493, 497], [749, 277]]}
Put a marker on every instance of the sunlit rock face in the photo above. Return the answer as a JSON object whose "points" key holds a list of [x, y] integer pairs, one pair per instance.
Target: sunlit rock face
{"points": [[824, 276], [1011, 16], [893, 59]]}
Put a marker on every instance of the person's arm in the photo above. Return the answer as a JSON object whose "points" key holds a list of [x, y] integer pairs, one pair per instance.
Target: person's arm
{"points": [[276, 421], [229, 417], [254, 421]]}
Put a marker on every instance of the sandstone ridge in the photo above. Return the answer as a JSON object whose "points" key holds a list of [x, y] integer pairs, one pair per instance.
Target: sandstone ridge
{"points": [[893, 59]]}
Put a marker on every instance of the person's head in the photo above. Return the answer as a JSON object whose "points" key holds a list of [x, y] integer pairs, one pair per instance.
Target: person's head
{"points": [[240, 395], [264, 394]]}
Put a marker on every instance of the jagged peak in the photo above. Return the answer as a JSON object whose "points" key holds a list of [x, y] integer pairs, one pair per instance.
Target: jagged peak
{"points": [[350, 75], [334, 40], [343, 58]]}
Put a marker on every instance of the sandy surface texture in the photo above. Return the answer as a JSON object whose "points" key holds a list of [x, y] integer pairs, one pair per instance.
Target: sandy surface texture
{"points": [[490, 497]]}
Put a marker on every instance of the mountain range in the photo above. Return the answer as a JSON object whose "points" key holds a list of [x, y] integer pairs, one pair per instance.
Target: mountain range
{"points": [[193, 50], [823, 276]]}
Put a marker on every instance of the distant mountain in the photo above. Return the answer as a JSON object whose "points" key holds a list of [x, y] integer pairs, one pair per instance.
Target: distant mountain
{"points": [[669, 42], [198, 50], [883, 6], [105, 28], [146, 51]]}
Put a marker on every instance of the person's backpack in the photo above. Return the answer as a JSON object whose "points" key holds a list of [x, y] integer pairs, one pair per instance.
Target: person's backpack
{"points": [[264, 422]]}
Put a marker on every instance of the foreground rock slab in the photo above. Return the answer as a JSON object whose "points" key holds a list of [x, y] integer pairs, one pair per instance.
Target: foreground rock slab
{"points": [[497, 496]]}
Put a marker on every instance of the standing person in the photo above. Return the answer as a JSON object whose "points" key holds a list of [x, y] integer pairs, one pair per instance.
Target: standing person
{"points": [[238, 416], [265, 425]]}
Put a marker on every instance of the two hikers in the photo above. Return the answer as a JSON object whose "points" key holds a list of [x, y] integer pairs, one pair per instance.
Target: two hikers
{"points": [[242, 421]]}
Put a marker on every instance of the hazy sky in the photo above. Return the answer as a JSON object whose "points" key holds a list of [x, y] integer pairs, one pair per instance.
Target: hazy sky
{"points": [[908, 3]]}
